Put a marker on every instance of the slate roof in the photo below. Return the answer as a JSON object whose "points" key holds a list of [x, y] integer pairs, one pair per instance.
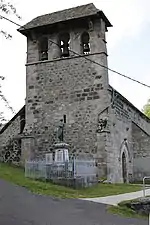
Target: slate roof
{"points": [[65, 15]]}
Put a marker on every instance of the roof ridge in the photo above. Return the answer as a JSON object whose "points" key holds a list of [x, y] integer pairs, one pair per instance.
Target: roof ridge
{"points": [[71, 8], [73, 13]]}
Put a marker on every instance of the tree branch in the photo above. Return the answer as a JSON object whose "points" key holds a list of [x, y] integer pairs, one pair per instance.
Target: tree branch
{"points": [[6, 35], [8, 8]]}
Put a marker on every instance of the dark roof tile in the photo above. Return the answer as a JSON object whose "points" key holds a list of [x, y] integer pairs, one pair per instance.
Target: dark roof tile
{"points": [[64, 15]]}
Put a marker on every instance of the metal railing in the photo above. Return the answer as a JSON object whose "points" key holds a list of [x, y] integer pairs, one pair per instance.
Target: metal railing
{"points": [[75, 169], [148, 177]]}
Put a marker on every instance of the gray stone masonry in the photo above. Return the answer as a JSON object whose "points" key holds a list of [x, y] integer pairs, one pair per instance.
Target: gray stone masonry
{"points": [[129, 134], [72, 86], [12, 130], [69, 87], [78, 88]]}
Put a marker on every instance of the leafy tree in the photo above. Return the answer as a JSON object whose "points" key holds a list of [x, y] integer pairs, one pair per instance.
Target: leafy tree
{"points": [[146, 109], [6, 8]]}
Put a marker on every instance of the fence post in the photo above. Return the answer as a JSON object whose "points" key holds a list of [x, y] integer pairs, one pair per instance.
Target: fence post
{"points": [[144, 187], [25, 168], [77, 169], [73, 167]]}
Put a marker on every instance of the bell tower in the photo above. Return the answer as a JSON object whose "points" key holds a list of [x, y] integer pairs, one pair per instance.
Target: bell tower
{"points": [[63, 80]]}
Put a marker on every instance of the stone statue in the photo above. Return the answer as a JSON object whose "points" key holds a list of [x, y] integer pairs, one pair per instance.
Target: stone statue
{"points": [[60, 131], [102, 123]]}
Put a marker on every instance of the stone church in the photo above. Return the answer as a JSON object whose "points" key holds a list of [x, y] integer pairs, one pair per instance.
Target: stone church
{"points": [[67, 80]]}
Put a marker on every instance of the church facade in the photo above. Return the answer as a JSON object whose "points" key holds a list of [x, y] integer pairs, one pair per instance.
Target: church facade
{"points": [[67, 80]]}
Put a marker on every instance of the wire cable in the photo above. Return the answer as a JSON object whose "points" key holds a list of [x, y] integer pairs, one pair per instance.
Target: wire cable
{"points": [[114, 71]]}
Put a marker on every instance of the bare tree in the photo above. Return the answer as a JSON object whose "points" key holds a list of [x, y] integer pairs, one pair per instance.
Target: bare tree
{"points": [[6, 8], [2, 118]]}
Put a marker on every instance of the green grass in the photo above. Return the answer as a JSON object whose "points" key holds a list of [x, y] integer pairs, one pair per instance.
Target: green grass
{"points": [[16, 175], [123, 210]]}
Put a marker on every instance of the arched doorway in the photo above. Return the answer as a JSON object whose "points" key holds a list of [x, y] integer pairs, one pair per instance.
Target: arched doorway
{"points": [[124, 168]]}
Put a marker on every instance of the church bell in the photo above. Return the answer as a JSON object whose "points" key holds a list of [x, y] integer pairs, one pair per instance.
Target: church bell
{"points": [[65, 48], [86, 48]]}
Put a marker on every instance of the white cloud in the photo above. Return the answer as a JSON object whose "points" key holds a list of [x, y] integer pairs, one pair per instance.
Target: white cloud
{"points": [[128, 18]]}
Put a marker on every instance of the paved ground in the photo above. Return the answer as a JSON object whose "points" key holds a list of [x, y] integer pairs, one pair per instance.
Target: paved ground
{"points": [[114, 200], [19, 207]]}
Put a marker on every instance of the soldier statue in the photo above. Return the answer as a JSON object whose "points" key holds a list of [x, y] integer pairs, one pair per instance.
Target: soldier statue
{"points": [[60, 131]]}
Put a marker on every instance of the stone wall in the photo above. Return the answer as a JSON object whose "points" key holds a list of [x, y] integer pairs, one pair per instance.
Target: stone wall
{"points": [[141, 168], [141, 142], [129, 133], [118, 141], [73, 86], [11, 129], [75, 30], [125, 109], [141, 149]]}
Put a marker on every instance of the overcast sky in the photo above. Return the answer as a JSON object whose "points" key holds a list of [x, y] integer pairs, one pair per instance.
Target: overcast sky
{"points": [[128, 43]]}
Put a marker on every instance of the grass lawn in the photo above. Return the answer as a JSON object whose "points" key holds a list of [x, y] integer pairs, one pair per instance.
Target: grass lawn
{"points": [[16, 175], [123, 210]]}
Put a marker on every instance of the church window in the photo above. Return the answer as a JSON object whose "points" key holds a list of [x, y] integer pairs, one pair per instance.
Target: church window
{"points": [[43, 49], [64, 41], [64, 118], [85, 43]]}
